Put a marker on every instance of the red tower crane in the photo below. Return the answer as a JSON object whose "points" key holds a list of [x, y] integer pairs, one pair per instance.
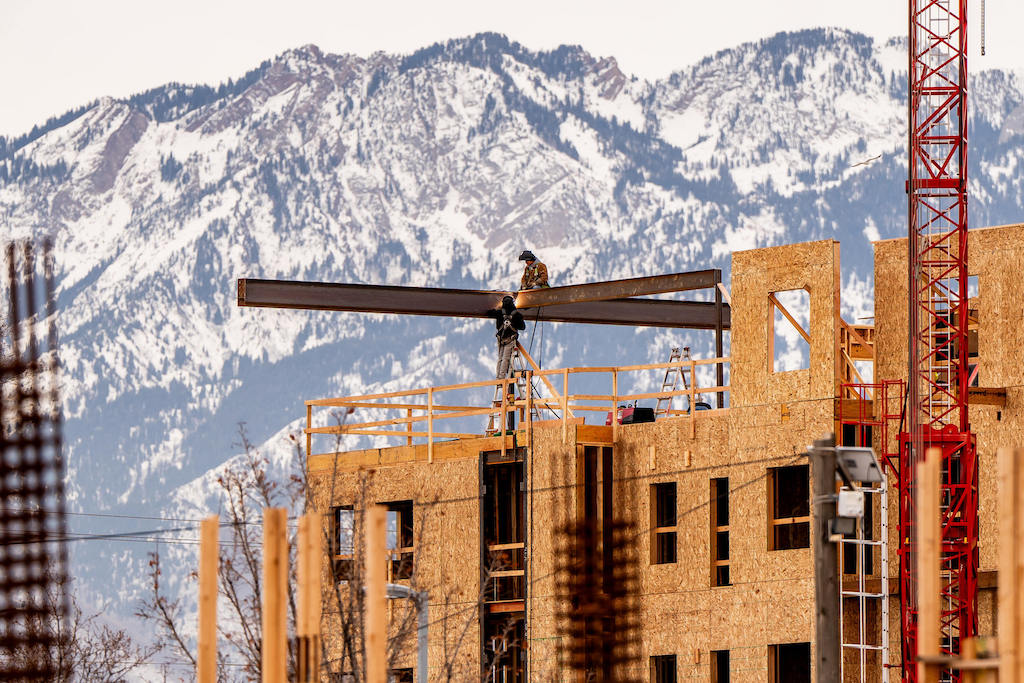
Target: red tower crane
{"points": [[938, 310]]}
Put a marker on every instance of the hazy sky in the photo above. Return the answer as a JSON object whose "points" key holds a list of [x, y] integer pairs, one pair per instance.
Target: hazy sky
{"points": [[56, 54]]}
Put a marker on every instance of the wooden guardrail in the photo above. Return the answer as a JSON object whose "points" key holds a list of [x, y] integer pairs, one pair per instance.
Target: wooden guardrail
{"points": [[422, 410]]}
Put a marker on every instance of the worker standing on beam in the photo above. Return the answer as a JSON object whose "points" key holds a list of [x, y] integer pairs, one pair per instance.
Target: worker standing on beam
{"points": [[535, 274]]}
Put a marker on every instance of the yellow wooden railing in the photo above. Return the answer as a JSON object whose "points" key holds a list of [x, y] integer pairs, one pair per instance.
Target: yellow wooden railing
{"points": [[422, 410]]}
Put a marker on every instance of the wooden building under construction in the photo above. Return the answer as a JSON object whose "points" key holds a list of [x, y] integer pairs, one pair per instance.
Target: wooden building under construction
{"points": [[716, 500]]}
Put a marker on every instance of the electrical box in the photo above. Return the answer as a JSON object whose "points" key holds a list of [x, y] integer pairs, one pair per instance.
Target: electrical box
{"points": [[850, 504]]}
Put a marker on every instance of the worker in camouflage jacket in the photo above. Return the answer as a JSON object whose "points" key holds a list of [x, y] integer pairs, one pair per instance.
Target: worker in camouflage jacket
{"points": [[535, 274]]}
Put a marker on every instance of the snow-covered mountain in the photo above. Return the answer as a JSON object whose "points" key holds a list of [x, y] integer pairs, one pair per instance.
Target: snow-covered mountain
{"points": [[433, 168]]}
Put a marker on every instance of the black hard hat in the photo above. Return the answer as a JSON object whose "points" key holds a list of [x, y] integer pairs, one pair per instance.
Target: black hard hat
{"points": [[527, 255], [508, 304]]}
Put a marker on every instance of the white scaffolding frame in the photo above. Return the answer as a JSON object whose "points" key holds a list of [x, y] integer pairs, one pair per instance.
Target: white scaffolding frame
{"points": [[876, 496]]}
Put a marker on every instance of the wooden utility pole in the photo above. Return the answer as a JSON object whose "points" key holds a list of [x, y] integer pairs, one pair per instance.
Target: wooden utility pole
{"points": [[275, 592], [929, 580], [375, 624], [307, 628], [826, 561], [1011, 564], [206, 658]]}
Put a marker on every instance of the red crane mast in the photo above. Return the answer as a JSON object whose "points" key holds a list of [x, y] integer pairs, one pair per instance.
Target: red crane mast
{"points": [[936, 409]]}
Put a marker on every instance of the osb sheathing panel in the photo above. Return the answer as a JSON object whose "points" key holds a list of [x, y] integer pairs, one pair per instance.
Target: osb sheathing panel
{"points": [[378, 457], [551, 505], [994, 255], [813, 266], [446, 538]]}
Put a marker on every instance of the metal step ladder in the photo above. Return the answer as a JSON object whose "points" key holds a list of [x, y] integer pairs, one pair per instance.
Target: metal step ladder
{"points": [[672, 378], [517, 369]]}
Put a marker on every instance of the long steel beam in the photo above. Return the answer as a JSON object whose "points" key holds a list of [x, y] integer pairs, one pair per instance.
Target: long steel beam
{"points": [[467, 303], [619, 289]]}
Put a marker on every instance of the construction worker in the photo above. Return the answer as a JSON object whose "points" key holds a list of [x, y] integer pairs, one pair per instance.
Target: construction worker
{"points": [[508, 322], [535, 274]]}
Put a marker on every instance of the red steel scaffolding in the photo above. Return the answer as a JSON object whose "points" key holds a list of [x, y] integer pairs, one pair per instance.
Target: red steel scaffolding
{"points": [[938, 373]]}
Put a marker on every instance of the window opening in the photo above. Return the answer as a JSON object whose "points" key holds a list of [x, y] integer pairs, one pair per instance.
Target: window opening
{"points": [[720, 532], [503, 568], [503, 531], [789, 342], [789, 514], [342, 532], [503, 649], [663, 527], [400, 539], [663, 669], [400, 675], [789, 663], [719, 666]]}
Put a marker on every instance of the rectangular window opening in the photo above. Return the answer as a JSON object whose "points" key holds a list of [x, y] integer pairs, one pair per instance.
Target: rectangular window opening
{"points": [[663, 669], [663, 523], [789, 663], [719, 666], [720, 532], [789, 318], [789, 512], [400, 539], [342, 532], [400, 675]]}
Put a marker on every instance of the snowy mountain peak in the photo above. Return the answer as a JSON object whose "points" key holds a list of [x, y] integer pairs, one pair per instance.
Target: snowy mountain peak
{"points": [[434, 168]]}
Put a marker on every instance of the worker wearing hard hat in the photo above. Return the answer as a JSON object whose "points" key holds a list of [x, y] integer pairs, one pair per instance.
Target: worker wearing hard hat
{"points": [[535, 274]]}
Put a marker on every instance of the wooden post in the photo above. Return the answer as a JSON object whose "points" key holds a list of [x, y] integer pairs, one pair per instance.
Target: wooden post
{"points": [[615, 406], [307, 627], [968, 653], [503, 422], [375, 626], [275, 595], [719, 347], [826, 559], [929, 579], [1011, 565], [693, 407], [408, 426], [309, 436], [206, 660], [529, 407], [565, 405], [430, 424]]}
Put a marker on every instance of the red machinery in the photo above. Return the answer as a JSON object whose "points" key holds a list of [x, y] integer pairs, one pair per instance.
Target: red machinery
{"points": [[936, 409]]}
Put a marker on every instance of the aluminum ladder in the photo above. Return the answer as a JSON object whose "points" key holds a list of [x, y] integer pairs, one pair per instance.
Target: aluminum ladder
{"points": [[671, 380], [517, 369]]}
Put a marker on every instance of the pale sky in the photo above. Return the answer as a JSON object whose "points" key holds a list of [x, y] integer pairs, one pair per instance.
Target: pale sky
{"points": [[57, 54]]}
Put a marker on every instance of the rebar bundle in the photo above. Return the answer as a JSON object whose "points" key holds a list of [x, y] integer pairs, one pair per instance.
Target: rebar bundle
{"points": [[33, 560]]}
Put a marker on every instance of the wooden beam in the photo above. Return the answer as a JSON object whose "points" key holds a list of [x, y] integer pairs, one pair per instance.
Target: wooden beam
{"points": [[986, 396], [617, 289], [536, 368], [790, 318], [206, 660], [1011, 563], [375, 626], [307, 627], [465, 303], [929, 550], [275, 596]]}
